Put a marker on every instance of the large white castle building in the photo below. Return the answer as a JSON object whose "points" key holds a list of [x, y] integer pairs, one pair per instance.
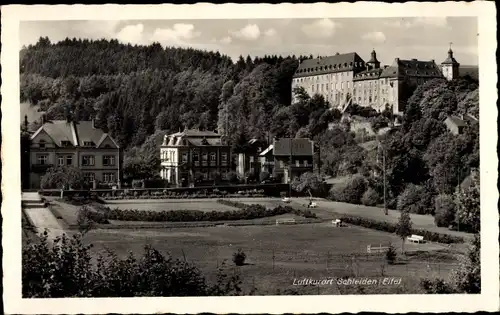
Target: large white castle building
{"points": [[343, 79]]}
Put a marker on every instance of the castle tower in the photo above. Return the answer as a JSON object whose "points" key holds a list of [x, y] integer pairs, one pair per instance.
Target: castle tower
{"points": [[450, 66], [373, 63]]}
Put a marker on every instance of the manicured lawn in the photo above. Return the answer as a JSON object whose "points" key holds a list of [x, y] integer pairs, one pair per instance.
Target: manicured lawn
{"points": [[299, 251], [332, 210], [192, 204]]}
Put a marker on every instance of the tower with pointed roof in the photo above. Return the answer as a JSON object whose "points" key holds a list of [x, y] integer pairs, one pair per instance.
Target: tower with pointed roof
{"points": [[450, 66], [373, 63]]}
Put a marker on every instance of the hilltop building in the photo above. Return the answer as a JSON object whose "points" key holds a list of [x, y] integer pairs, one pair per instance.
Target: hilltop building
{"points": [[194, 156], [68, 142], [343, 79]]}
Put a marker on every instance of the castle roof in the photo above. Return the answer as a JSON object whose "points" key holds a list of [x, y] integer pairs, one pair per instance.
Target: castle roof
{"points": [[416, 68], [331, 64]]}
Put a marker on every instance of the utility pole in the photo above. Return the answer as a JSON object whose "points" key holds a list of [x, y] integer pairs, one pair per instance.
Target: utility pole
{"points": [[290, 172]]}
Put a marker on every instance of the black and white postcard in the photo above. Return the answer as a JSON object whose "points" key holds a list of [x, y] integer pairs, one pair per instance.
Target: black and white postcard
{"points": [[249, 158]]}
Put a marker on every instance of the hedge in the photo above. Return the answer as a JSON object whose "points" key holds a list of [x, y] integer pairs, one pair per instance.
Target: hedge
{"points": [[248, 213], [391, 228]]}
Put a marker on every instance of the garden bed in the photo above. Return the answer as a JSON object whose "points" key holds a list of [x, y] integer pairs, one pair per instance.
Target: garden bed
{"points": [[249, 212]]}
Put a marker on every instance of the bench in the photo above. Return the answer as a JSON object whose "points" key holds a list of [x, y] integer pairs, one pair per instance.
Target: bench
{"points": [[376, 249], [312, 205], [416, 239], [337, 222], [285, 221]]}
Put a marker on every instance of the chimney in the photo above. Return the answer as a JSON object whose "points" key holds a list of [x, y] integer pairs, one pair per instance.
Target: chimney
{"points": [[43, 119], [93, 123], [25, 122]]}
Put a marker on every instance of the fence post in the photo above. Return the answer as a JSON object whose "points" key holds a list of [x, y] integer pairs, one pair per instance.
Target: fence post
{"points": [[327, 259], [273, 259]]}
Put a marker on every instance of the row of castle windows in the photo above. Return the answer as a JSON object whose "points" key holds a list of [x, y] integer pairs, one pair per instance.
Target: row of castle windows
{"points": [[330, 67]]}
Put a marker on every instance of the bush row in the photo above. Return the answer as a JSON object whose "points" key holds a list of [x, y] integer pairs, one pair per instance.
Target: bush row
{"points": [[391, 228], [249, 213], [168, 194]]}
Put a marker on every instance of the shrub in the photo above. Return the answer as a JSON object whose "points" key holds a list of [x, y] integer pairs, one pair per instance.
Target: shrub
{"points": [[65, 269], [232, 177], [264, 175], [239, 258], [390, 255], [444, 215], [416, 199], [350, 191], [370, 197]]}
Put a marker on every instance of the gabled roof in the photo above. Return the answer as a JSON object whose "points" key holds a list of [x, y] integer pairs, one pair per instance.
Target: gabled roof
{"points": [[293, 146], [456, 121], [337, 63], [266, 151], [58, 130], [413, 67], [77, 133], [195, 133]]}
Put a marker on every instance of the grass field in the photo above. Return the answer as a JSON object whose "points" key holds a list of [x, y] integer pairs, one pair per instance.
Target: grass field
{"points": [[301, 251], [204, 205]]}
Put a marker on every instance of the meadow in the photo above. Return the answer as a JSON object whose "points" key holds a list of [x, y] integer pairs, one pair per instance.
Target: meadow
{"points": [[276, 255]]}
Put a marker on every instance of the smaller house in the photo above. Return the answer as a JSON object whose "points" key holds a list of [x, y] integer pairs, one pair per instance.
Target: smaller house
{"points": [[456, 125], [292, 157]]}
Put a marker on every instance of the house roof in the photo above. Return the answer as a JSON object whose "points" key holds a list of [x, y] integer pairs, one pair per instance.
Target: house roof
{"points": [[413, 67], [77, 133], [336, 63], [456, 121], [193, 137], [266, 151], [293, 146], [195, 133]]}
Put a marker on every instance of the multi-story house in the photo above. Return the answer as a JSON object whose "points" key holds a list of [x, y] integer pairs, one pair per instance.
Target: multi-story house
{"points": [[79, 144], [193, 156], [346, 78], [292, 157]]}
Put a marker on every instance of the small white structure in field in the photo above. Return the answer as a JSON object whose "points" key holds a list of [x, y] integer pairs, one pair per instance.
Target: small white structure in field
{"points": [[337, 222], [416, 239], [312, 205], [286, 200]]}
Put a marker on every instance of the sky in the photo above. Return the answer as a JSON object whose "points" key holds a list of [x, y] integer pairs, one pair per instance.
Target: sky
{"points": [[423, 38]]}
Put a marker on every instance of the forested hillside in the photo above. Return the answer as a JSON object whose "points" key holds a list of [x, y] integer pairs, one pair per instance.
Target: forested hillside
{"points": [[135, 90]]}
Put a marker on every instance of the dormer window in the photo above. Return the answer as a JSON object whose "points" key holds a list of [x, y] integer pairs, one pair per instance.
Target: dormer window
{"points": [[204, 141], [88, 144], [65, 143]]}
